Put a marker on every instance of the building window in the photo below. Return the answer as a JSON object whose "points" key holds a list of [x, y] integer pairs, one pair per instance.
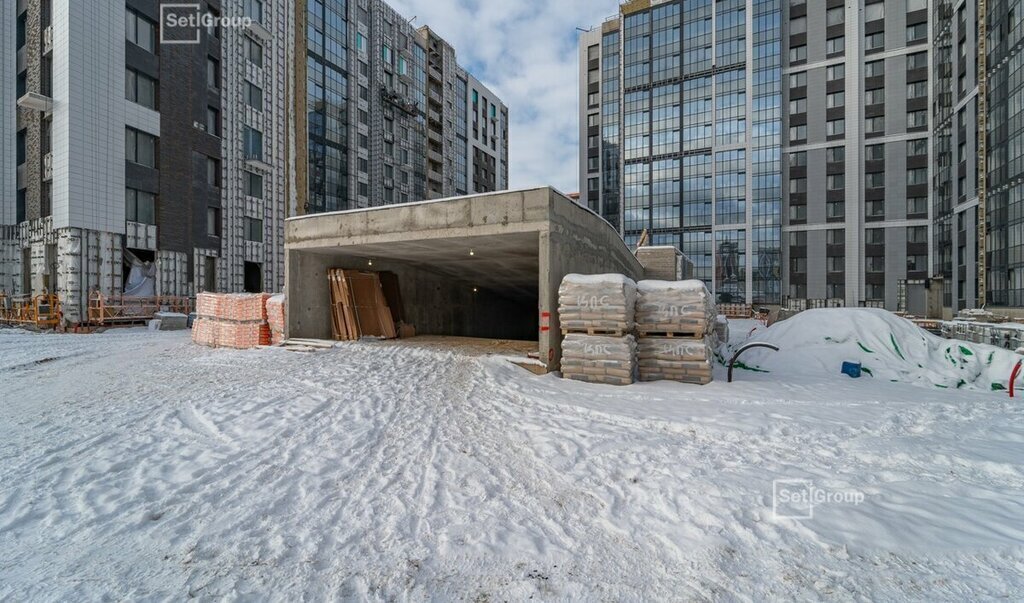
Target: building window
{"points": [[915, 5], [253, 96], [22, 28], [917, 205], [140, 147], [835, 16], [213, 221], [835, 236], [917, 176], [798, 133], [917, 263], [875, 291], [403, 66], [798, 265], [593, 164], [874, 125], [253, 229], [253, 143], [593, 119], [874, 263], [835, 209], [874, 68], [835, 263], [385, 53], [874, 12], [798, 53], [874, 236], [252, 184], [919, 146], [835, 154], [254, 10], [798, 25], [835, 182], [213, 121], [918, 60], [917, 234], [835, 127], [917, 90], [874, 152], [140, 31], [797, 159], [213, 171], [140, 206], [834, 100], [253, 51], [917, 33], [213, 73], [874, 41], [140, 88], [874, 208], [797, 185], [797, 212], [917, 119], [835, 45], [875, 96], [798, 79], [798, 105], [20, 148], [835, 72], [874, 180]]}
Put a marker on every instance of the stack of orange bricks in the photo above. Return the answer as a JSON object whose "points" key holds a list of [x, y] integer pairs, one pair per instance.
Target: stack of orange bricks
{"points": [[275, 318], [231, 320]]}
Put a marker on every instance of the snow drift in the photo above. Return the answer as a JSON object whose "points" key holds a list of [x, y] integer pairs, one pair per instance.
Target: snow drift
{"points": [[888, 347]]}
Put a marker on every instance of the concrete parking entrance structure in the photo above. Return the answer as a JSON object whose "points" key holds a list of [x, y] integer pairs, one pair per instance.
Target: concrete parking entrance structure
{"points": [[485, 265]]}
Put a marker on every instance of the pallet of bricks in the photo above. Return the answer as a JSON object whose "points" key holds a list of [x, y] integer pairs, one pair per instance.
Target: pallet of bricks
{"points": [[596, 317], [275, 318], [678, 327], [231, 320]]}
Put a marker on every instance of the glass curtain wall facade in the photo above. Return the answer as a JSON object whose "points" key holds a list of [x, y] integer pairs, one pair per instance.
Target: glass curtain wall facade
{"points": [[690, 144], [327, 92]]}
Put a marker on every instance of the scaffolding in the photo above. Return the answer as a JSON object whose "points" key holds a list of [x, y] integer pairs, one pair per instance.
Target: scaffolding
{"points": [[41, 311]]}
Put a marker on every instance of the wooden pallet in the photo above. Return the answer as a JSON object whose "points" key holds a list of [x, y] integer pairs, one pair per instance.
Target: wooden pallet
{"points": [[604, 332], [673, 334]]}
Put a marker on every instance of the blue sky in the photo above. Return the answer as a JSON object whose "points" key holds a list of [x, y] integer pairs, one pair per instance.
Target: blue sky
{"points": [[526, 52]]}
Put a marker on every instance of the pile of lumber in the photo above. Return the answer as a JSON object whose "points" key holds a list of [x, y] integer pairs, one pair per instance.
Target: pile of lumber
{"points": [[596, 304], [275, 318], [679, 330], [675, 359], [358, 305], [599, 358], [231, 320], [596, 316], [674, 309]]}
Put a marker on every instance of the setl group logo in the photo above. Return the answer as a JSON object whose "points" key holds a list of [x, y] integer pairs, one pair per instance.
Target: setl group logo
{"points": [[796, 498], [182, 23]]}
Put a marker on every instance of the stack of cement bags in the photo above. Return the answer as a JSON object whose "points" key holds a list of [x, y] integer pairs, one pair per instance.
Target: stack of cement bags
{"points": [[231, 320], [677, 323], [596, 317], [596, 304], [599, 358], [674, 308]]}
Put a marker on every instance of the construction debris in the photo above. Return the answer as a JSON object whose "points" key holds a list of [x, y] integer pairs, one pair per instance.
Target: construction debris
{"points": [[359, 308], [232, 320]]}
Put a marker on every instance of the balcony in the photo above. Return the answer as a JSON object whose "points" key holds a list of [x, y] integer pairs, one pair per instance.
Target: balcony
{"points": [[36, 102], [433, 135], [47, 167], [434, 116], [435, 73], [434, 156], [434, 175]]}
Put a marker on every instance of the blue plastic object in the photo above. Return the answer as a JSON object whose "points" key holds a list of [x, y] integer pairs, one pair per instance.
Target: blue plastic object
{"points": [[852, 369]]}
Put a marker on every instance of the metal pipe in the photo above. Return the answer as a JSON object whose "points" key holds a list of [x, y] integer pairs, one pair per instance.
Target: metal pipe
{"points": [[744, 348]]}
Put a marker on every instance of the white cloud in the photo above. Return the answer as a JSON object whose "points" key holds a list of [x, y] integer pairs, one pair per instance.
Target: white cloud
{"points": [[526, 52]]}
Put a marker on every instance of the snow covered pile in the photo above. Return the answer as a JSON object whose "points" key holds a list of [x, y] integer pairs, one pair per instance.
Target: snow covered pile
{"points": [[888, 347], [596, 302], [674, 307]]}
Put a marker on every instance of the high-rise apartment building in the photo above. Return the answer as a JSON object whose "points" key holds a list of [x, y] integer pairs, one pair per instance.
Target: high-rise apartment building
{"points": [[782, 145], [680, 130], [856, 146], [979, 118], [129, 141], [384, 113]]}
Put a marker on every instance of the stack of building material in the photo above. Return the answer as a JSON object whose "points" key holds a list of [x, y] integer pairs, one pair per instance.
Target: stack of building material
{"points": [[678, 327], [599, 358], [596, 304], [275, 318], [596, 315], [721, 330], [232, 320], [358, 306], [674, 309], [171, 321]]}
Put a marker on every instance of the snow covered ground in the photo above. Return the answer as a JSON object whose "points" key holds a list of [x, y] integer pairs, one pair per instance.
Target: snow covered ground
{"points": [[135, 465]]}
